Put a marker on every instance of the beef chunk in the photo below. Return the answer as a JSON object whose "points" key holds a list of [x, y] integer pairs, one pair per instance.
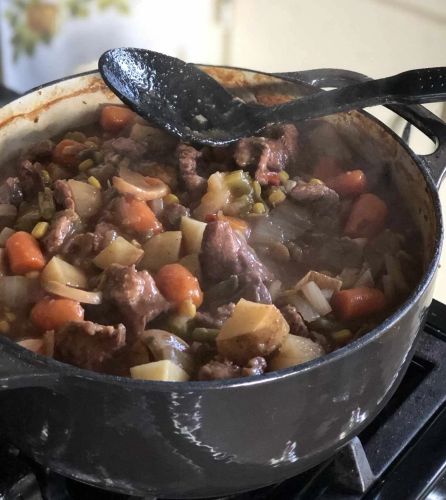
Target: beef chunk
{"points": [[135, 295], [171, 215], [88, 345], [225, 253], [126, 147], [11, 192], [63, 194], [80, 249], [30, 175], [255, 366], [268, 154], [216, 318], [254, 289], [43, 150], [294, 319], [319, 196], [103, 172], [218, 369], [187, 163], [63, 225]]}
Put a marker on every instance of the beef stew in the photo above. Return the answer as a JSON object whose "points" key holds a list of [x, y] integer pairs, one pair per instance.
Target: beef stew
{"points": [[125, 252]]}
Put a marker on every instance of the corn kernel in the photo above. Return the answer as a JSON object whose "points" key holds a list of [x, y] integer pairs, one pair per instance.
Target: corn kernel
{"points": [[46, 177], [94, 182], [188, 309], [257, 190], [315, 181], [40, 229], [283, 176], [276, 197], [10, 316], [341, 336], [86, 164], [259, 208], [170, 199], [4, 326]]}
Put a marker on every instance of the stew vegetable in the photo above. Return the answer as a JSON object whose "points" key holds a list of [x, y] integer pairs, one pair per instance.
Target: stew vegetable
{"points": [[125, 252]]}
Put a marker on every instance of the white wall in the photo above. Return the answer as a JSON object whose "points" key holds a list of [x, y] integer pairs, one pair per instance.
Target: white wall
{"points": [[378, 37]]}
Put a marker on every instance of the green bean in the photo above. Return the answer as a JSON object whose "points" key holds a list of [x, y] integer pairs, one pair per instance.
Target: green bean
{"points": [[204, 334], [46, 204]]}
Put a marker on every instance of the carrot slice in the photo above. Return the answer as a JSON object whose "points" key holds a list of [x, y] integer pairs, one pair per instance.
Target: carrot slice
{"points": [[24, 253], [137, 216], [115, 118], [66, 152], [367, 217], [357, 303], [178, 284], [326, 168], [349, 183], [50, 314]]}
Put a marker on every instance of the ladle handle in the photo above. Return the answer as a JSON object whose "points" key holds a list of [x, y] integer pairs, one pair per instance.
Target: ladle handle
{"points": [[419, 116]]}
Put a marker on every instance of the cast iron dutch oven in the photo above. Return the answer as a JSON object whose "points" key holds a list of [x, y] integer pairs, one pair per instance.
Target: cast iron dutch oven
{"points": [[201, 439]]}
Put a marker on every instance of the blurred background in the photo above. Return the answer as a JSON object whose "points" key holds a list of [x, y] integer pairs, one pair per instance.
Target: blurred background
{"points": [[42, 40]]}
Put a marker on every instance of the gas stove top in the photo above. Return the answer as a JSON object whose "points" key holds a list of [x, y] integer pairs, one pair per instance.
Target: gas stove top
{"points": [[401, 455]]}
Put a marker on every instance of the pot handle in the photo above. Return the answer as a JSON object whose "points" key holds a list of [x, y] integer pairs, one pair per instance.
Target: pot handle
{"points": [[417, 115], [15, 373]]}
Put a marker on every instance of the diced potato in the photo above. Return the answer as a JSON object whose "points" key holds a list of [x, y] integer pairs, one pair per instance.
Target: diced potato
{"points": [[159, 370], [161, 249], [87, 198], [63, 272], [120, 251], [294, 351], [192, 233], [252, 330], [192, 263], [217, 197]]}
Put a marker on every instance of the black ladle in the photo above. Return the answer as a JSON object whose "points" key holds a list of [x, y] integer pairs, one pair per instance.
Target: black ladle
{"points": [[190, 104]]}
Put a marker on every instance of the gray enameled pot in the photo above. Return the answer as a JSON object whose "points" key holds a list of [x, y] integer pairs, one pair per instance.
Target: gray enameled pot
{"points": [[201, 439]]}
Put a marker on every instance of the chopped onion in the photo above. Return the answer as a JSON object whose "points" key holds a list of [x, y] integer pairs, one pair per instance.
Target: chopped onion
{"points": [[265, 232], [144, 188], [87, 198], [292, 220], [365, 279], [18, 291], [316, 299], [307, 312], [327, 293], [274, 289], [394, 270], [321, 280], [157, 206], [69, 292], [349, 276], [388, 287], [5, 233]]}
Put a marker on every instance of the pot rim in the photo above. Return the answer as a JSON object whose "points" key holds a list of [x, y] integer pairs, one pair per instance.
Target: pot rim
{"points": [[64, 369]]}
